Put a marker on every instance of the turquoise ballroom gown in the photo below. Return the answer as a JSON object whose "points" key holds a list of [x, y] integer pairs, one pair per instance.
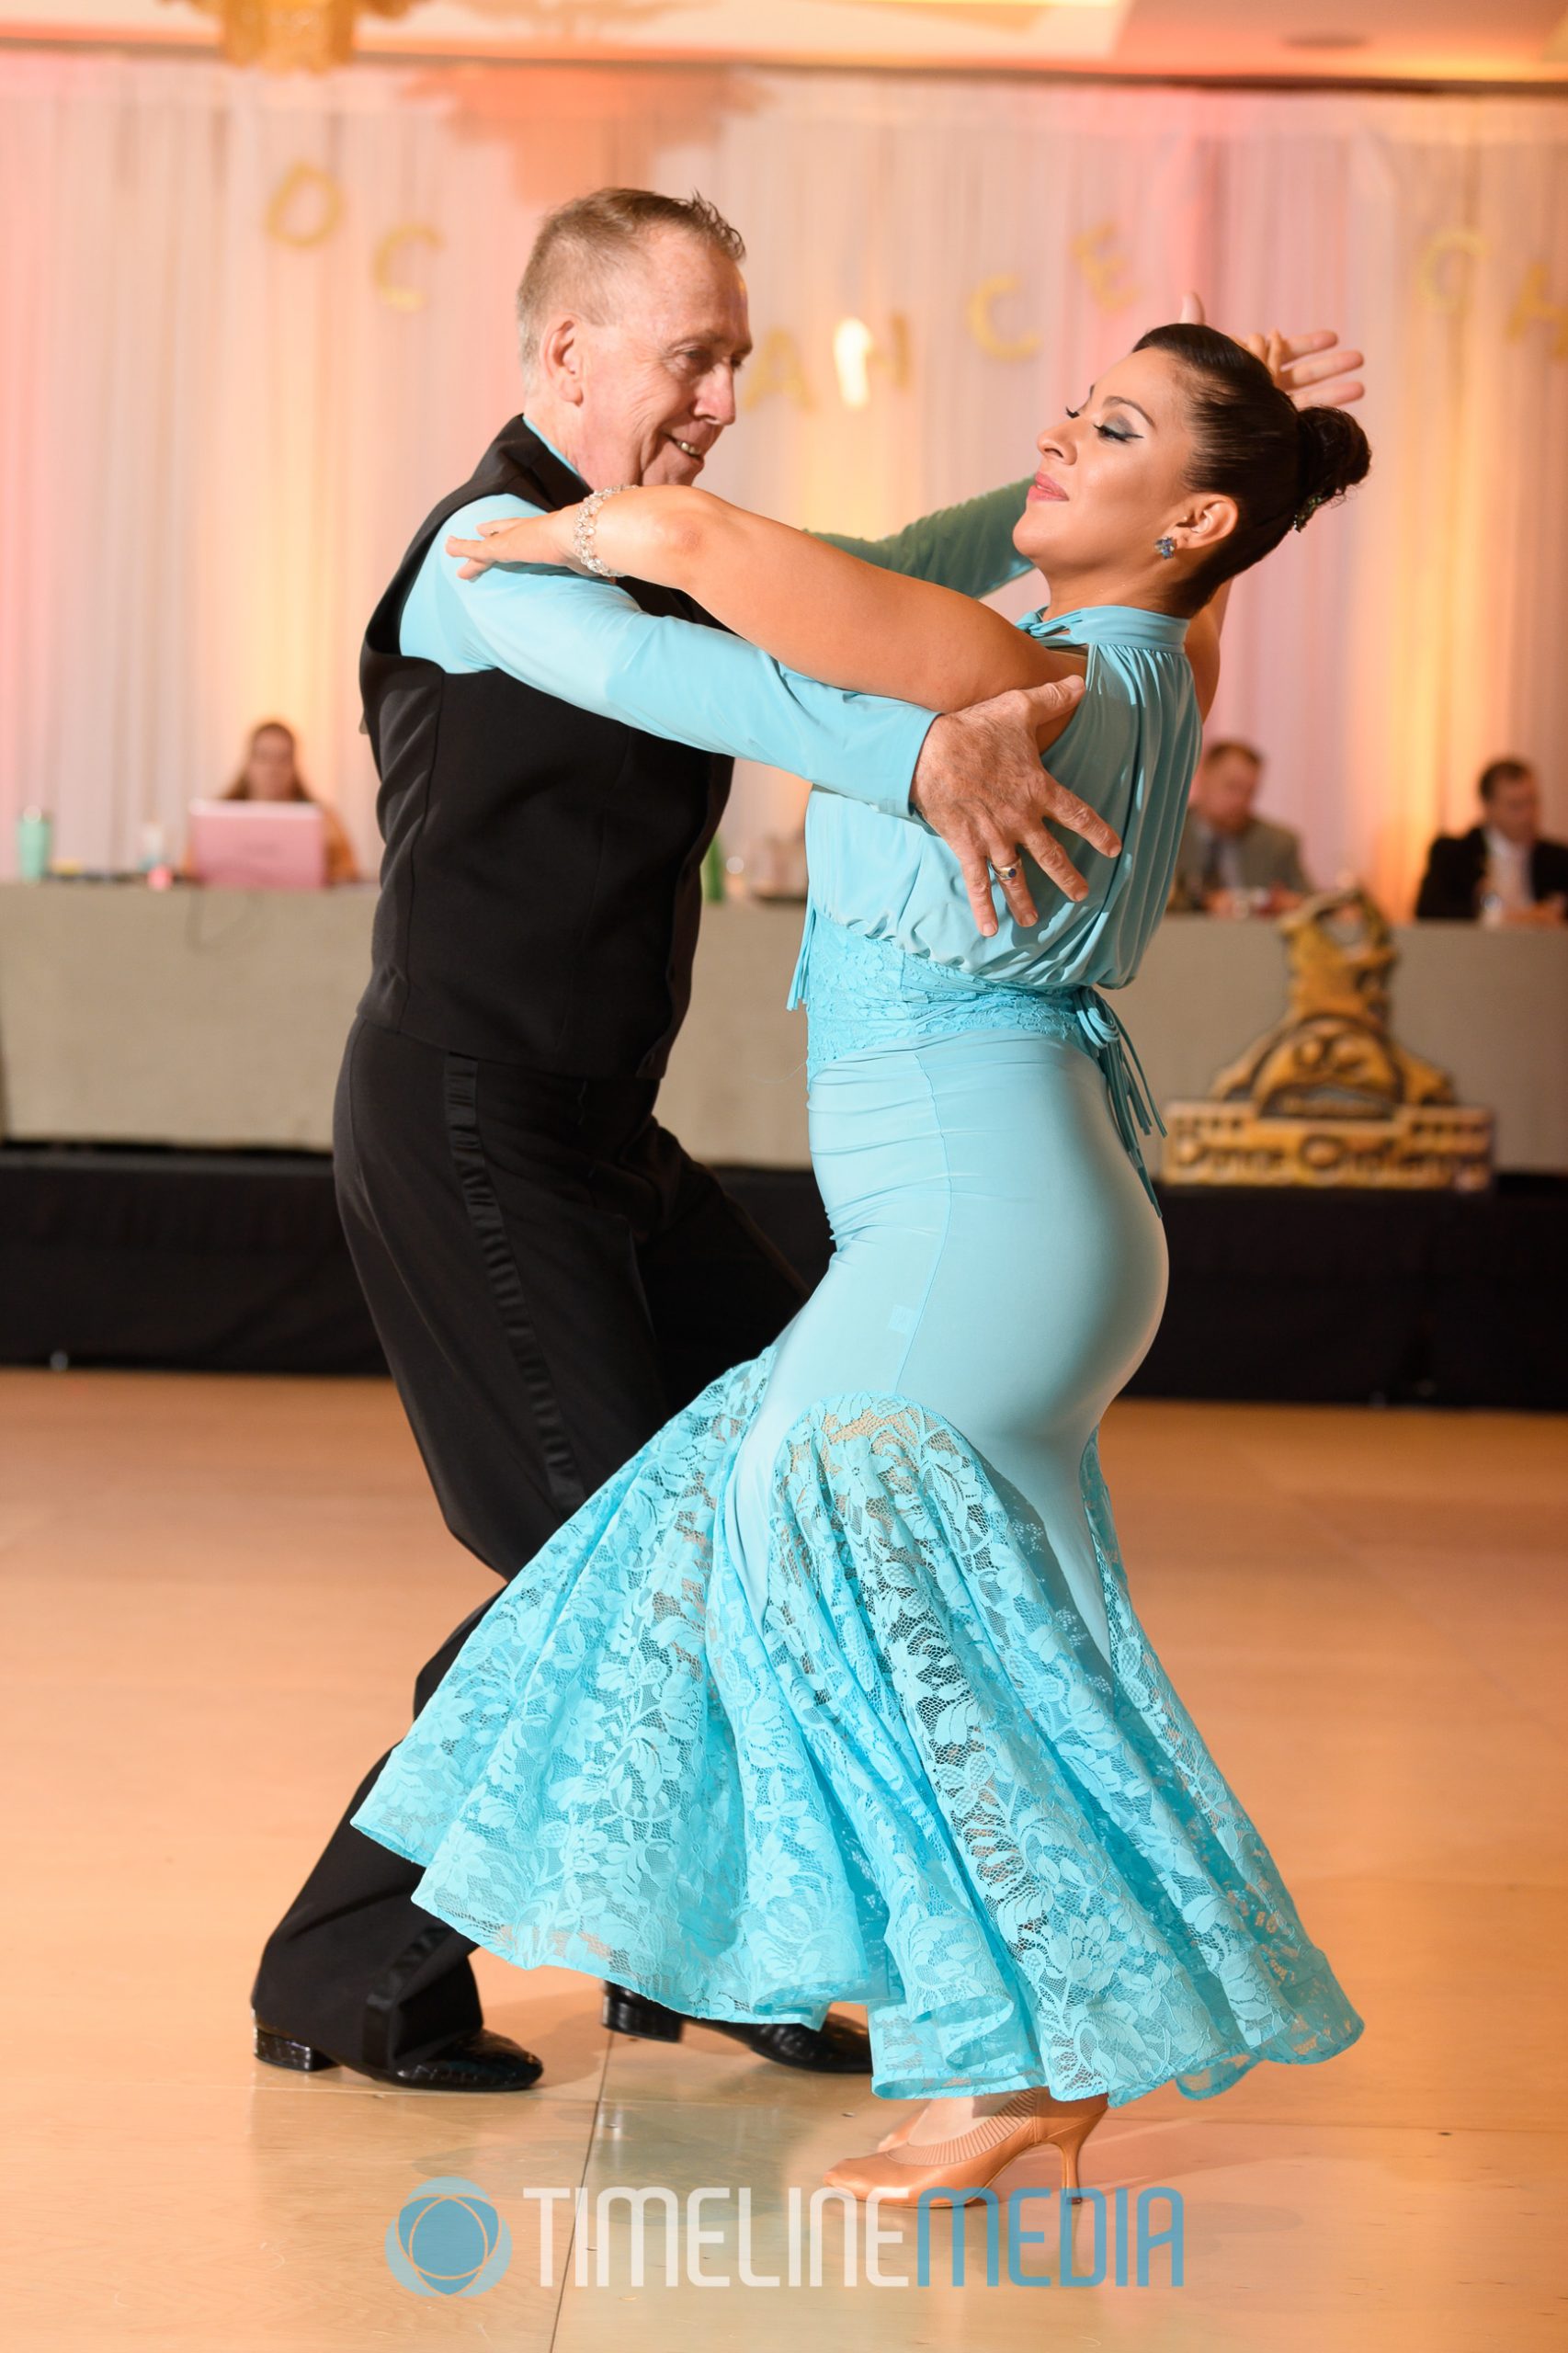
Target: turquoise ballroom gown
{"points": [[836, 1691]]}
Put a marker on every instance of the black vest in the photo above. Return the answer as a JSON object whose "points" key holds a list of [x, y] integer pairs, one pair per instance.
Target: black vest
{"points": [[542, 881]]}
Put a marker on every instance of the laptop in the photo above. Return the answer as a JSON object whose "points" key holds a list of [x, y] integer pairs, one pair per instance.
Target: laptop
{"points": [[258, 845]]}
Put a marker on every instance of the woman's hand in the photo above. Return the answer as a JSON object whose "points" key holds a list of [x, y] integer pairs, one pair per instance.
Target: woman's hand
{"points": [[521, 539], [1274, 352], [664, 534], [1316, 369]]}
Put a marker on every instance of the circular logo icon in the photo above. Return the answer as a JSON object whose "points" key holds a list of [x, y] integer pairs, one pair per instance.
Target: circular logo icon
{"points": [[448, 2241]]}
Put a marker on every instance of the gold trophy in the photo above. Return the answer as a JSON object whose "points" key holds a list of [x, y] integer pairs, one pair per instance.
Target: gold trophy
{"points": [[1327, 1097]]}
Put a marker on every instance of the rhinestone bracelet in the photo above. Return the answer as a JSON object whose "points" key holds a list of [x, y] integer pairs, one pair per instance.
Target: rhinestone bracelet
{"points": [[584, 534]]}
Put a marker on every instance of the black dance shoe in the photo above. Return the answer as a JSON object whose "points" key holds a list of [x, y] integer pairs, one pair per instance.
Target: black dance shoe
{"points": [[837, 2047], [480, 2062]]}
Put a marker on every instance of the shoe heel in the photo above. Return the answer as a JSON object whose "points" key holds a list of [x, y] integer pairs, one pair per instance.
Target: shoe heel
{"points": [[1070, 2136], [634, 2014], [282, 2050]]}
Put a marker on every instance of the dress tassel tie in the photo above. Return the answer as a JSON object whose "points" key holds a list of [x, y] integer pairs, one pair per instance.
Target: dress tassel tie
{"points": [[1131, 1098], [797, 996]]}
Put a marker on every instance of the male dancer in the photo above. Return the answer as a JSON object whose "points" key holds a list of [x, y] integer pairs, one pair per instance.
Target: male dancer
{"points": [[551, 1275]]}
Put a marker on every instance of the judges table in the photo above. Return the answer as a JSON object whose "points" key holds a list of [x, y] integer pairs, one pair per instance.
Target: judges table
{"points": [[216, 1020]]}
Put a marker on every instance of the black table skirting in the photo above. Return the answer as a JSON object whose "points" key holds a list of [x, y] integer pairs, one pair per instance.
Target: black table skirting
{"points": [[219, 1262]]}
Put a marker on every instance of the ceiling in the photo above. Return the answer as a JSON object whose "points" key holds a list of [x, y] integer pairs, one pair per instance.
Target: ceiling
{"points": [[1440, 41]]}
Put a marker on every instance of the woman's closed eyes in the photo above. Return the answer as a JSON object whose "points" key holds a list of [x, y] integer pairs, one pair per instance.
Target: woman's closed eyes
{"points": [[1106, 432]]}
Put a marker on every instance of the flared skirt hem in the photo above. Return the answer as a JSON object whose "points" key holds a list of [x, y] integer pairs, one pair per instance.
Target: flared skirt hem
{"points": [[911, 1781]]}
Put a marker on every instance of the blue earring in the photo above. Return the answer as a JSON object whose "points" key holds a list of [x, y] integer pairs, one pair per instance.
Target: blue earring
{"points": [[1166, 545]]}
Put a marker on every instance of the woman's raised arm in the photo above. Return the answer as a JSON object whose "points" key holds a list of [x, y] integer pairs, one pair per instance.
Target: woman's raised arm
{"points": [[811, 606]]}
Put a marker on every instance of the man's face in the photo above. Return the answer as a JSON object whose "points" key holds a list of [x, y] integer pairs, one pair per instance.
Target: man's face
{"points": [[657, 380], [1224, 790], [1515, 809]]}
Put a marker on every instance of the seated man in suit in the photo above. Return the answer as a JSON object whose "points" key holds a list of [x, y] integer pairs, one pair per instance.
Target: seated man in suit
{"points": [[1231, 861], [1502, 870]]}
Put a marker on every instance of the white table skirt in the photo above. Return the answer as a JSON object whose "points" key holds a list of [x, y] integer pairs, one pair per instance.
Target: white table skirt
{"points": [[217, 1019]]}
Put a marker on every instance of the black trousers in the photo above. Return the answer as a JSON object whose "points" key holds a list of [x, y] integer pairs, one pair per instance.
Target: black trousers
{"points": [[551, 1277]]}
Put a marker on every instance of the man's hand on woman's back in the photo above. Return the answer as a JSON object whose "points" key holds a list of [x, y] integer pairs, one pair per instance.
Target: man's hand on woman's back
{"points": [[980, 785]]}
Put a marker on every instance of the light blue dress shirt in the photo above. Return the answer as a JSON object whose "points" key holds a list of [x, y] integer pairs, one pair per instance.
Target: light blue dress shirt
{"points": [[588, 643]]}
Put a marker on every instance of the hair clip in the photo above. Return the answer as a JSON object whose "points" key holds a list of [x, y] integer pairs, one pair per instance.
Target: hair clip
{"points": [[1304, 514]]}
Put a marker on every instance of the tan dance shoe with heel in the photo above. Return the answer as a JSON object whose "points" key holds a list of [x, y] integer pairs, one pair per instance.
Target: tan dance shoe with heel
{"points": [[901, 2171]]}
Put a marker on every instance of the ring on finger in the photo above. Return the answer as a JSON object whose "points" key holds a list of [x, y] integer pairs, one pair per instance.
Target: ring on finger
{"points": [[1007, 873]]}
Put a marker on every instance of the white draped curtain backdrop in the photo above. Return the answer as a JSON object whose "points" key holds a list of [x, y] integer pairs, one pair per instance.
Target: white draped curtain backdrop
{"points": [[250, 329]]}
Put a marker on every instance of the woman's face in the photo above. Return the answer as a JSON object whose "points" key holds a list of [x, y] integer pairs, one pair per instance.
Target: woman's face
{"points": [[270, 771], [1113, 475]]}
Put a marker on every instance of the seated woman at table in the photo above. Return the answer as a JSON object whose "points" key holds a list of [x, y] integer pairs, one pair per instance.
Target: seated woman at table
{"points": [[271, 772]]}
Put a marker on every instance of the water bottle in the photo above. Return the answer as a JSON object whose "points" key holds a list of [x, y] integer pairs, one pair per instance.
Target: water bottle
{"points": [[35, 841]]}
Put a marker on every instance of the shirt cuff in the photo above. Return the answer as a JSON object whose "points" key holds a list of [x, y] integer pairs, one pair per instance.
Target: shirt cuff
{"points": [[892, 772]]}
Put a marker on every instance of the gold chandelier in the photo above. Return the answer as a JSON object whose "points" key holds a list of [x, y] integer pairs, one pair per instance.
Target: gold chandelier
{"points": [[288, 36]]}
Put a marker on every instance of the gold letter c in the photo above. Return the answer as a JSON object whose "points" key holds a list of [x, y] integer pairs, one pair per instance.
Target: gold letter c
{"points": [[396, 291], [983, 325]]}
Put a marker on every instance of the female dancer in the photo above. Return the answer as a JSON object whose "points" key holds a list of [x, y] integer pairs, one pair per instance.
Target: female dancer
{"points": [[836, 1691]]}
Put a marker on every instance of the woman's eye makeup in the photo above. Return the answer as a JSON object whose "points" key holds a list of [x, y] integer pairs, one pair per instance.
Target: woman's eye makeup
{"points": [[1106, 432]]}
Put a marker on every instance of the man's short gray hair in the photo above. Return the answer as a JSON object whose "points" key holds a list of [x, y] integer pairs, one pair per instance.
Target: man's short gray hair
{"points": [[581, 244]]}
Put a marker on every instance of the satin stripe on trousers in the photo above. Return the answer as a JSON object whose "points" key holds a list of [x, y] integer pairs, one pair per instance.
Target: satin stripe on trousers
{"points": [[551, 1277]]}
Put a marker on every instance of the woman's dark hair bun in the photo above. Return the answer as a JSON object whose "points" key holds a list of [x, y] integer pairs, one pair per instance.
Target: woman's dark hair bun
{"points": [[1335, 455], [1249, 440]]}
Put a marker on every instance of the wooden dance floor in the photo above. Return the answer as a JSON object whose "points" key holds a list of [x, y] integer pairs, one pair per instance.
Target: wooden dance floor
{"points": [[218, 1590]]}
